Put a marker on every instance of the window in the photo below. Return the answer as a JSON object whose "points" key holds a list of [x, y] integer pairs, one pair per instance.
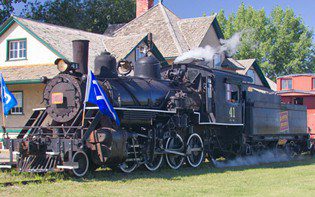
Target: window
{"points": [[232, 93], [313, 83], [18, 109], [140, 52], [298, 101], [16, 49], [251, 73], [217, 60], [286, 84]]}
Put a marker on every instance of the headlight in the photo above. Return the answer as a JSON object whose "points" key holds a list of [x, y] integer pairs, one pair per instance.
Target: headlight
{"points": [[62, 65], [65, 66]]}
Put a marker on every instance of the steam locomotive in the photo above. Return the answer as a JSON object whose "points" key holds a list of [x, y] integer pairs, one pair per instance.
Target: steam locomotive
{"points": [[182, 113]]}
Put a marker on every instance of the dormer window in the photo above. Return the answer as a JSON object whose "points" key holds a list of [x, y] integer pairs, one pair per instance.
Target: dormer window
{"points": [[217, 60], [251, 73], [141, 52], [286, 84], [16, 49]]}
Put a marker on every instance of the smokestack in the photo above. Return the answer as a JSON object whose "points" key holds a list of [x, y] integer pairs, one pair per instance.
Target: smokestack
{"points": [[143, 6], [81, 54]]}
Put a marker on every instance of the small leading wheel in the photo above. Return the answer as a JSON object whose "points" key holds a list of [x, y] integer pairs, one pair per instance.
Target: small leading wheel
{"points": [[154, 164], [195, 154], [175, 145], [83, 163], [128, 166]]}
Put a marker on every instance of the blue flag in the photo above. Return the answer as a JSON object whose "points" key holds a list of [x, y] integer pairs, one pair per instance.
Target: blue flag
{"points": [[96, 95], [7, 98]]}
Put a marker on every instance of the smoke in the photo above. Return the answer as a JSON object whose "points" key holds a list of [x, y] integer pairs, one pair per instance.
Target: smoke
{"points": [[202, 53], [266, 157], [207, 53], [230, 46]]}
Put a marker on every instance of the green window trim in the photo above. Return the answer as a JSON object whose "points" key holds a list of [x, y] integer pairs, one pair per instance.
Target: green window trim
{"points": [[26, 81], [8, 49], [9, 22], [18, 114]]}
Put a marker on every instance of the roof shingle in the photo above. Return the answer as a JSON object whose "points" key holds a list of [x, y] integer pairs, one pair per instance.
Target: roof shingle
{"points": [[171, 34], [194, 29], [60, 39]]}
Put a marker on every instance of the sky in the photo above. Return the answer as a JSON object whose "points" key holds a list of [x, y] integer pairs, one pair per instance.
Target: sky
{"points": [[195, 8]]}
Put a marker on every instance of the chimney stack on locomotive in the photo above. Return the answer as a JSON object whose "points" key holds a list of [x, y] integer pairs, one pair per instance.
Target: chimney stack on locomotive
{"points": [[81, 55]]}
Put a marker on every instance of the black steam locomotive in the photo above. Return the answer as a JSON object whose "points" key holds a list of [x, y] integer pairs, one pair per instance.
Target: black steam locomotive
{"points": [[183, 113]]}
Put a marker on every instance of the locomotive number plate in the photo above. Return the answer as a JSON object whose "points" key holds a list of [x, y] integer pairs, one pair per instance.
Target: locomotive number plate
{"points": [[57, 98]]}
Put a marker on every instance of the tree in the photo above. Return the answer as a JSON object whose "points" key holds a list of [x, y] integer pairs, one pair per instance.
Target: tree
{"points": [[6, 8], [280, 42], [93, 16]]}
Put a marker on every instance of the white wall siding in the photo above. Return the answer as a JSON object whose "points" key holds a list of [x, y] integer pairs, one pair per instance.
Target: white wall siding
{"points": [[37, 53]]}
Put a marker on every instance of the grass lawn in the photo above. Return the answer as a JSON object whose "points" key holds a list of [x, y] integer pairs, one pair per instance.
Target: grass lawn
{"points": [[296, 178]]}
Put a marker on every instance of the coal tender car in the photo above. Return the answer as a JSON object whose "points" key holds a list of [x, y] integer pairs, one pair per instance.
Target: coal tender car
{"points": [[180, 114]]}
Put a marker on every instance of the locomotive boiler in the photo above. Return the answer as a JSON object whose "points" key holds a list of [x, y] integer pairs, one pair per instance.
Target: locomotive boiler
{"points": [[181, 114]]}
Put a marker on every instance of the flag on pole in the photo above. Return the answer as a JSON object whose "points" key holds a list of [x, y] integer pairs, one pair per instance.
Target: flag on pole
{"points": [[96, 95], [7, 98]]}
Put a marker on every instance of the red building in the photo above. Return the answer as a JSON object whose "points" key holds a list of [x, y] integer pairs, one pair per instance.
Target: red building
{"points": [[299, 89]]}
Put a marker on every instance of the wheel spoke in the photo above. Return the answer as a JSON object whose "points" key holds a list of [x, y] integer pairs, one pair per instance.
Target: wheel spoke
{"points": [[175, 144], [195, 154]]}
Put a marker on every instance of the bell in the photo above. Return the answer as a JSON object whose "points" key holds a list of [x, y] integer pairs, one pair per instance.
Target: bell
{"points": [[124, 67]]}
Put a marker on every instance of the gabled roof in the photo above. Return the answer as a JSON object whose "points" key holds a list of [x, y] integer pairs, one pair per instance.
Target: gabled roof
{"points": [[272, 84], [59, 40], [247, 64], [232, 64], [171, 34], [195, 29]]}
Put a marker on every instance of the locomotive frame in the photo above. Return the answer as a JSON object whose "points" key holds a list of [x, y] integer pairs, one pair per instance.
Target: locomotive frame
{"points": [[196, 113]]}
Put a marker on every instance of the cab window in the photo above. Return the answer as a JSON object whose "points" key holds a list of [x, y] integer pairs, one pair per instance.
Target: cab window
{"points": [[232, 93]]}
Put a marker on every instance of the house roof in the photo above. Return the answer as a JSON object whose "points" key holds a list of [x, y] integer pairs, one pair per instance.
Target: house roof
{"points": [[295, 92], [27, 74], [112, 28], [272, 84], [59, 40], [194, 29], [247, 64], [171, 34], [298, 75], [232, 64]]}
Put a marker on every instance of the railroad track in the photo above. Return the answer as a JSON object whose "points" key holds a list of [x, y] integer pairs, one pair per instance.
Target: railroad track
{"points": [[25, 182]]}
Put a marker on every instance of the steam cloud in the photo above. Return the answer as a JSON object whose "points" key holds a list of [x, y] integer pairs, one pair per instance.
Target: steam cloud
{"points": [[266, 157], [206, 53]]}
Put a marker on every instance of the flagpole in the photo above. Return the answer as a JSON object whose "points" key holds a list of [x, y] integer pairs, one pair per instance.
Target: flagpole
{"points": [[2, 105], [83, 113], [84, 102]]}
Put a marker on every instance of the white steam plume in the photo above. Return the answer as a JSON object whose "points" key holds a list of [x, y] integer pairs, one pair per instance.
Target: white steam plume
{"points": [[230, 45], [266, 157], [206, 53]]}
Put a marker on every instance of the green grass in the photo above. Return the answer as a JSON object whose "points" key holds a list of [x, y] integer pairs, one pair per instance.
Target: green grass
{"points": [[296, 178]]}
